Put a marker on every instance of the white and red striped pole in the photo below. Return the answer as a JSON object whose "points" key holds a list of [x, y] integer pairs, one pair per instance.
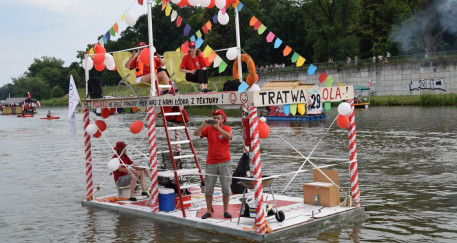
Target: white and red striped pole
{"points": [[88, 158], [258, 190], [178, 138], [154, 200], [353, 157]]}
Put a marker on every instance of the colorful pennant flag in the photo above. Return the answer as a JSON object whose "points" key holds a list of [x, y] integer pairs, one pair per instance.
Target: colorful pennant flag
{"points": [[286, 109], [174, 15], [205, 29], [164, 4], [257, 25], [116, 28], [122, 17], [199, 42], [301, 60], [239, 6], [91, 51], [327, 105], [253, 21], [207, 51], [270, 37], [192, 38], [211, 57], [278, 42], [140, 2], [329, 81], [293, 109], [294, 57], [185, 47], [261, 29], [301, 108], [187, 30], [178, 21], [215, 18], [322, 77], [111, 31], [104, 39], [286, 51], [311, 69], [340, 84], [209, 25], [199, 34], [222, 66], [217, 61], [168, 10]]}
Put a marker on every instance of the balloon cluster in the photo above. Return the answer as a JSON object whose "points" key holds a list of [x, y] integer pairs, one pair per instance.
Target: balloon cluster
{"points": [[96, 129], [101, 60], [344, 110], [222, 5]]}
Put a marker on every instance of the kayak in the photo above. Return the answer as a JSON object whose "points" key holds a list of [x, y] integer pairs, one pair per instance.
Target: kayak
{"points": [[50, 118], [26, 116]]}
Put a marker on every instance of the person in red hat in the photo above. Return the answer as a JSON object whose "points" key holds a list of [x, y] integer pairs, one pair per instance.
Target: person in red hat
{"points": [[123, 176], [218, 159], [194, 66], [143, 71]]}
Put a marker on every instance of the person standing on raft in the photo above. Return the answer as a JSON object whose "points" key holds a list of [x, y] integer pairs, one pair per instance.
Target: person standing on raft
{"points": [[218, 159], [194, 66]]}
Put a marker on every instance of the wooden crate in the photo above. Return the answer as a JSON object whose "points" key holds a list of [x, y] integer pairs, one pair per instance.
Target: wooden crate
{"points": [[328, 193]]}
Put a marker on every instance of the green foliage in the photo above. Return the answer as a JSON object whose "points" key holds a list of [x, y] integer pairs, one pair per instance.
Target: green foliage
{"points": [[37, 87], [6, 90], [56, 92]]}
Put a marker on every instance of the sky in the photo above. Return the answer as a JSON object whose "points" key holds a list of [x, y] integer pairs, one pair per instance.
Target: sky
{"points": [[55, 28]]}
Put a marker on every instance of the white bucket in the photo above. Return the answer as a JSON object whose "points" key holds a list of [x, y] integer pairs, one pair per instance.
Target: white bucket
{"points": [[123, 192]]}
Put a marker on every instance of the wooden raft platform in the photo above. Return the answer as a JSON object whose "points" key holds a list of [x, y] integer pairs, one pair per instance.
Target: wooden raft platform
{"points": [[299, 216]]}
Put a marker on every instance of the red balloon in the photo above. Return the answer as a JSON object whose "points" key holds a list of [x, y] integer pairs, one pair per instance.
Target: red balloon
{"points": [[99, 58], [99, 67], [99, 49], [101, 125], [97, 134], [105, 113], [227, 3], [264, 130], [136, 127], [211, 5], [342, 121], [144, 56], [112, 111], [183, 3]]}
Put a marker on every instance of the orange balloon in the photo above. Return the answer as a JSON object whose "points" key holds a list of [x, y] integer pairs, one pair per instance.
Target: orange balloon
{"points": [[342, 121], [112, 111], [264, 130], [136, 127], [97, 134], [99, 58], [183, 3], [144, 56], [105, 113], [101, 125], [99, 49]]}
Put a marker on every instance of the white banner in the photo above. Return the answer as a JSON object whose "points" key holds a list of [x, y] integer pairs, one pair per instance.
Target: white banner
{"points": [[73, 100]]}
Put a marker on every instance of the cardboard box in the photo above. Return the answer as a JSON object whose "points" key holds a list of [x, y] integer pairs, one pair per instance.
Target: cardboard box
{"points": [[186, 201], [332, 174], [328, 193]]}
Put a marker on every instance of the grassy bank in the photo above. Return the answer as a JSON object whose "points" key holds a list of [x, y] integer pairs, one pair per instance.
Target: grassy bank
{"points": [[400, 100]]}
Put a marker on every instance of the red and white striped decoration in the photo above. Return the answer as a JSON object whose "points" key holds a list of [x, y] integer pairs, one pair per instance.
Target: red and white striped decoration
{"points": [[154, 200], [258, 190], [178, 138], [353, 157], [88, 158]]}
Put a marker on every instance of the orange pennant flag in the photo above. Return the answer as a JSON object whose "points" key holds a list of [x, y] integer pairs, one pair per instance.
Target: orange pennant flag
{"points": [[253, 21], [286, 51], [208, 25], [116, 28], [211, 57], [164, 5]]}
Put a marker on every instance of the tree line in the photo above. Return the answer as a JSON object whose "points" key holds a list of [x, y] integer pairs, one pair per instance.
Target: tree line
{"points": [[316, 29]]}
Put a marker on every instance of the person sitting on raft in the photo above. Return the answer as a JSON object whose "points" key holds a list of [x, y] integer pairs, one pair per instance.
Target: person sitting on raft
{"points": [[143, 71], [49, 114], [123, 176], [194, 66]]}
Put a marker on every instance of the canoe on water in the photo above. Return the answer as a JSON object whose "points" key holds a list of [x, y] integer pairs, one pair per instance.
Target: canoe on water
{"points": [[50, 118], [26, 116]]}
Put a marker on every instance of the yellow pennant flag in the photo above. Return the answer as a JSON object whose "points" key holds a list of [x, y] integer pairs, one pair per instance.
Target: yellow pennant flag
{"points": [[207, 51], [122, 17], [179, 49], [301, 60], [301, 108], [168, 10], [340, 84], [91, 51]]}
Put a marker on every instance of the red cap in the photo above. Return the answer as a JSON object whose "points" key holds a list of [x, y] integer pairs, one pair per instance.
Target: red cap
{"points": [[141, 44], [120, 146], [192, 44], [220, 112]]}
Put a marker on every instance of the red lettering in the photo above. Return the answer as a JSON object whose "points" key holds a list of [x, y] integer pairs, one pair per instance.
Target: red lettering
{"points": [[331, 91], [338, 92], [325, 94]]}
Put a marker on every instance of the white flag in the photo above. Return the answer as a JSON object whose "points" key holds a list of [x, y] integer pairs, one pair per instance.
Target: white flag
{"points": [[73, 100]]}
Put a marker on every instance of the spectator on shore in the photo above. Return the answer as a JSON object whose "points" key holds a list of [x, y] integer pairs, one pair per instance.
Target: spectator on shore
{"points": [[348, 60], [374, 59], [380, 57], [388, 57], [283, 66], [356, 59]]}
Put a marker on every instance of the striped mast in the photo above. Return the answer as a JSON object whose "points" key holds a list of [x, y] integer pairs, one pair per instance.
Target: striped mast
{"points": [[353, 157], [88, 158], [258, 190]]}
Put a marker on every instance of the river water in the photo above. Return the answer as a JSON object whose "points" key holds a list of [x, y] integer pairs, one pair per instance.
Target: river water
{"points": [[406, 159]]}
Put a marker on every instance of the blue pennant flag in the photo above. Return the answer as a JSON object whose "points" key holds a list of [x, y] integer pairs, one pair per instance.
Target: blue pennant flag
{"points": [[192, 38], [278, 42], [243, 87], [239, 6], [198, 43], [286, 109], [311, 69]]}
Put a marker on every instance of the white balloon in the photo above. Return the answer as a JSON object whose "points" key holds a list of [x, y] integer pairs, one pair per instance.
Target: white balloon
{"points": [[223, 19], [114, 164], [262, 119], [220, 4], [194, 2], [91, 129], [344, 109], [89, 65], [111, 65], [205, 3], [175, 1], [130, 18], [232, 53], [254, 88]]}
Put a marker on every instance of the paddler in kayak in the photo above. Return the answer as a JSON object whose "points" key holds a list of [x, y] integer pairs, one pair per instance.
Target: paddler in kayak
{"points": [[49, 114]]}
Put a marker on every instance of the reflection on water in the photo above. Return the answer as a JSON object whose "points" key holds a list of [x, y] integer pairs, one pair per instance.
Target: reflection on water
{"points": [[406, 171]]}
